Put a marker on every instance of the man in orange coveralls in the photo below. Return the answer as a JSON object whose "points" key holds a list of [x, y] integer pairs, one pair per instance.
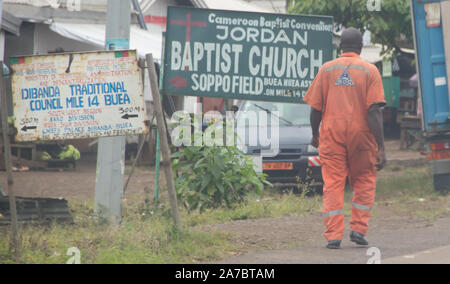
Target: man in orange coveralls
{"points": [[347, 97]]}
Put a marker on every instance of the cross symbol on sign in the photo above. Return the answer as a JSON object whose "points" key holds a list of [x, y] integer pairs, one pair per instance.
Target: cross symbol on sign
{"points": [[188, 23]]}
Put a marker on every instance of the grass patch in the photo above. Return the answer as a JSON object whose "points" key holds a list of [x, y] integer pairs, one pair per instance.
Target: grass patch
{"points": [[411, 192], [136, 240], [146, 237], [270, 205], [406, 183], [407, 192]]}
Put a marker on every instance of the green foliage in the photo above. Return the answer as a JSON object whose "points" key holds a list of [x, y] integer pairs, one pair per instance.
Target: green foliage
{"points": [[11, 120], [59, 152], [271, 204], [388, 27], [211, 177], [69, 152], [45, 156]]}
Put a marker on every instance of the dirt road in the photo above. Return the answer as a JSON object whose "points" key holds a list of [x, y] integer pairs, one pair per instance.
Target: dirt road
{"points": [[399, 237], [394, 237], [78, 184]]}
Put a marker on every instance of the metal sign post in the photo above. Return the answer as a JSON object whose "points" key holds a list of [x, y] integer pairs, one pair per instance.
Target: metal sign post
{"points": [[157, 167], [165, 150]]}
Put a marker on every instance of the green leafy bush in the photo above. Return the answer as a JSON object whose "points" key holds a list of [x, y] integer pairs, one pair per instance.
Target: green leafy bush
{"points": [[69, 152], [212, 177]]}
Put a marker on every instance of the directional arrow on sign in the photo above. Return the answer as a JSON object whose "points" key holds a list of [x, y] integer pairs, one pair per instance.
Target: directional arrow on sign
{"points": [[26, 128], [127, 116], [178, 82]]}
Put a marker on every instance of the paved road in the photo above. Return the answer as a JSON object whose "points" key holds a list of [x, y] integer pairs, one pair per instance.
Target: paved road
{"points": [[410, 243], [432, 256]]}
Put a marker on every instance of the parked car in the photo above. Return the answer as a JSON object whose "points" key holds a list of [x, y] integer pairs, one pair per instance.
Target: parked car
{"points": [[296, 160]]}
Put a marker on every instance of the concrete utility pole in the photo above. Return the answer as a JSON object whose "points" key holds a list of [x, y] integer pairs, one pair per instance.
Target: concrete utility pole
{"points": [[111, 150]]}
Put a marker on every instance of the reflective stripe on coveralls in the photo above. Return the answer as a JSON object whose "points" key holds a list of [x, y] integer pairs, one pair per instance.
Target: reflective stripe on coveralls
{"points": [[343, 90], [333, 213], [362, 207], [347, 67]]}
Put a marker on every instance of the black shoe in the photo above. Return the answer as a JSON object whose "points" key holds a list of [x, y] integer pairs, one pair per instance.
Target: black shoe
{"points": [[358, 239], [334, 245]]}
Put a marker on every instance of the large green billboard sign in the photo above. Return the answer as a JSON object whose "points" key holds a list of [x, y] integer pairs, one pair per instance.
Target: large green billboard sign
{"points": [[241, 55]]}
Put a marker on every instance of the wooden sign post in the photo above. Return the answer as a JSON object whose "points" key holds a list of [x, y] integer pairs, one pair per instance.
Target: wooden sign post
{"points": [[163, 139], [8, 165]]}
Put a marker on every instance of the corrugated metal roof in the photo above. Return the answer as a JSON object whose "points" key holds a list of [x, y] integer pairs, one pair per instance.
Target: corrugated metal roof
{"points": [[45, 11], [233, 5], [90, 5], [36, 3], [143, 41], [86, 5], [10, 23]]}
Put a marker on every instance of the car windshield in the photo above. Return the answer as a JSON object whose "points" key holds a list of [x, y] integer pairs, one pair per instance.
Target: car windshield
{"points": [[289, 114]]}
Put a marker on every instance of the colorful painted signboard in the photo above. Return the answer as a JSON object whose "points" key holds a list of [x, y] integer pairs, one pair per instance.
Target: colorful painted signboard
{"points": [[78, 95]]}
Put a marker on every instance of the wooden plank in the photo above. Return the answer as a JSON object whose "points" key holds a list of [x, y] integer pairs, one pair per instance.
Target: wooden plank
{"points": [[136, 160], [163, 139], [8, 165]]}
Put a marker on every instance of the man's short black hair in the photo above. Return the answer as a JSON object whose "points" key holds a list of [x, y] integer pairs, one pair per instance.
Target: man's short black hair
{"points": [[351, 40]]}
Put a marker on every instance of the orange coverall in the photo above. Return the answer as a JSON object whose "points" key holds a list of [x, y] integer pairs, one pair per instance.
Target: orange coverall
{"points": [[343, 90]]}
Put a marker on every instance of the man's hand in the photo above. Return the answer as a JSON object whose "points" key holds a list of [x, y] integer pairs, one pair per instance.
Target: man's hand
{"points": [[316, 119], [315, 142], [381, 159], [375, 121]]}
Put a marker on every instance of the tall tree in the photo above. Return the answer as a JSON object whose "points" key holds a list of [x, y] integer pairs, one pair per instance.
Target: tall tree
{"points": [[390, 26]]}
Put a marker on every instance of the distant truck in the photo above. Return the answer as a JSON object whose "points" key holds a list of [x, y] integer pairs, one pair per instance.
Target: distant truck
{"points": [[431, 29]]}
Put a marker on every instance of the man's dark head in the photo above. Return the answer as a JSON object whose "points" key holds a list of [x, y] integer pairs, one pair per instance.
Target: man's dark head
{"points": [[351, 41]]}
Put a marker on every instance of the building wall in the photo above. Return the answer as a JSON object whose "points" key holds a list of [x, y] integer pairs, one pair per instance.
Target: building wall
{"points": [[38, 39], [22, 45], [2, 44], [46, 41], [16, 46]]}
